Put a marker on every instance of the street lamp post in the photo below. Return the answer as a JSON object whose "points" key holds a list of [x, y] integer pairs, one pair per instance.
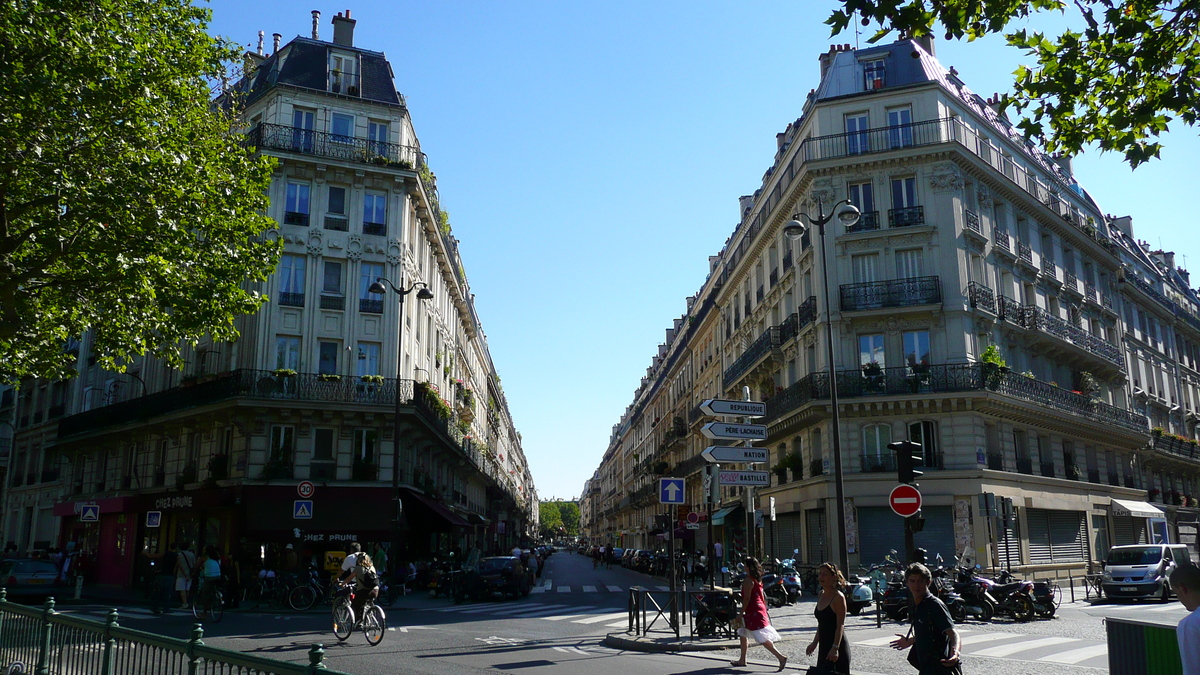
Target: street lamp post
{"points": [[848, 215], [422, 294]]}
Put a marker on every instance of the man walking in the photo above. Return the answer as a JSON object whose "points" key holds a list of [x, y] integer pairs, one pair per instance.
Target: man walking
{"points": [[933, 639], [185, 568], [1185, 581]]}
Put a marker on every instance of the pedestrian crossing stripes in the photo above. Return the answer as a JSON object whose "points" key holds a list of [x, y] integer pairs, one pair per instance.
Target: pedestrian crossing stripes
{"points": [[613, 589], [589, 589], [1015, 645]]}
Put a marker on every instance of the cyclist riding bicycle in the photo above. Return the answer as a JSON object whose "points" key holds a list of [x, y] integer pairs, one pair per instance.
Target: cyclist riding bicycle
{"points": [[211, 578], [357, 567]]}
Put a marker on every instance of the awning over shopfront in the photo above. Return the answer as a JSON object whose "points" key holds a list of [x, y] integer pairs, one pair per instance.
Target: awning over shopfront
{"points": [[438, 509], [1123, 507], [476, 519], [718, 517]]}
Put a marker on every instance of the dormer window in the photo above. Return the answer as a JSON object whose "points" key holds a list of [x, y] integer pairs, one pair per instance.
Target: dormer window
{"points": [[873, 74], [343, 74]]}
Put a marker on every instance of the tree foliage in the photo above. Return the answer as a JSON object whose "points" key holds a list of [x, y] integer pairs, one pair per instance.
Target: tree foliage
{"points": [[1119, 82], [559, 514], [127, 204]]}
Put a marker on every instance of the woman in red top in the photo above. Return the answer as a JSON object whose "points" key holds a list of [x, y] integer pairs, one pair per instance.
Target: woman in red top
{"points": [[755, 622]]}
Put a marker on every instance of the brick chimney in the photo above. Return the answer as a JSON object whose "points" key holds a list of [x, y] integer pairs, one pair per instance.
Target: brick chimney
{"points": [[343, 30]]}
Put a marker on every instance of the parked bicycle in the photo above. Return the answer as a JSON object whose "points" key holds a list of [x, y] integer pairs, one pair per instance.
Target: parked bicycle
{"points": [[373, 622], [305, 595], [209, 602]]}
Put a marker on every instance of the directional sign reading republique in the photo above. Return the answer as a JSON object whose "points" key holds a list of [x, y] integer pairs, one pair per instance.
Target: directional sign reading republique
{"points": [[753, 432], [718, 453], [905, 500], [716, 406], [745, 478]]}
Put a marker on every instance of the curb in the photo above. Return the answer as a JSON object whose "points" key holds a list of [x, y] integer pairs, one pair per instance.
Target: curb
{"points": [[621, 641]]}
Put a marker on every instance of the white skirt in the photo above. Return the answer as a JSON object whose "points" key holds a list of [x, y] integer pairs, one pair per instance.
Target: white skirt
{"points": [[764, 634]]}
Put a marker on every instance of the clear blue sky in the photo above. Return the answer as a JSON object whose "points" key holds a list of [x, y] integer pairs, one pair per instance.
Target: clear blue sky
{"points": [[591, 156]]}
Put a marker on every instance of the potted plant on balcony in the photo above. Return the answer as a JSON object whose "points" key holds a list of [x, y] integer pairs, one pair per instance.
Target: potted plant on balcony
{"points": [[1074, 472], [283, 372], [329, 377], [1152, 494], [993, 365], [660, 467], [372, 379], [781, 471]]}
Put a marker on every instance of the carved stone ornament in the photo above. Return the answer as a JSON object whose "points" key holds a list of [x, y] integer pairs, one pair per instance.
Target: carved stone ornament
{"points": [[946, 177], [354, 249], [315, 247], [984, 195], [892, 326], [810, 338]]}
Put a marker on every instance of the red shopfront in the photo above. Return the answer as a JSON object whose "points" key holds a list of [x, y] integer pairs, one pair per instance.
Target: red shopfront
{"points": [[107, 545]]}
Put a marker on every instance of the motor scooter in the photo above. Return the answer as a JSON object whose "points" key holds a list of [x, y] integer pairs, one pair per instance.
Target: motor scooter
{"points": [[858, 595]]}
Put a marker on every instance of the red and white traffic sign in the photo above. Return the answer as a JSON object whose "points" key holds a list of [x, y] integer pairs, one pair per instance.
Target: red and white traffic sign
{"points": [[306, 489], [905, 500], [693, 517]]}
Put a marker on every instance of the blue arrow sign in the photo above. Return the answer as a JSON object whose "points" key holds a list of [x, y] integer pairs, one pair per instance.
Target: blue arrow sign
{"points": [[670, 490], [89, 513], [302, 509]]}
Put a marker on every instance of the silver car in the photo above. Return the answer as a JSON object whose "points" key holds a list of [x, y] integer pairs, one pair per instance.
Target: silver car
{"points": [[1142, 570]]}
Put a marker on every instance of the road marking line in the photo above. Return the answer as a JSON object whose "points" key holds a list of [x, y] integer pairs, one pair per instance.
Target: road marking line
{"points": [[538, 589], [463, 608], [614, 589], [663, 588], [875, 642], [987, 637], [602, 617], [564, 589], [547, 584], [547, 609], [589, 589], [1008, 650], [1166, 608], [619, 624], [1077, 655]]}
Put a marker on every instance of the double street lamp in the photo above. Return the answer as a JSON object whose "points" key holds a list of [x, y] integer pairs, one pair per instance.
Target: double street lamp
{"points": [[422, 294], [848, 215]]}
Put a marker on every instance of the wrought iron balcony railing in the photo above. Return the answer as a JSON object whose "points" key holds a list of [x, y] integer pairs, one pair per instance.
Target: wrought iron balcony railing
{"points": [[906, 217], [1036, 318], [333, 302], [1070, 281], [948, 378], [894, 293], [375, 228], [971, 220], [995, 461], [1048, 469], [369, 306], [981, 296], [1089, 292], [333, 146], [291, 299], [1025, 465], [787, 260], [295, 218], [878, 463], [1002, 240], [867, 221], [754, 353], [883, 139], [797, 320], [1024, 253], [337, 223], [1049, 269]]}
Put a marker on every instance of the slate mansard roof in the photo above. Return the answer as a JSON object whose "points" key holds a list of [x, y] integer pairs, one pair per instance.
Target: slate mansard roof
{"points": [[302, 63]]}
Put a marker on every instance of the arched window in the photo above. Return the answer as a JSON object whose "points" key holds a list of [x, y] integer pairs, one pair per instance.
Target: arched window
{"points": [[875, 453]]}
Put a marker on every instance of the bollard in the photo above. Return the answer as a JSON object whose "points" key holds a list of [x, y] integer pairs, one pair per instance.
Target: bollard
{"points": [[43, 666], [78, 586], [316, 655], [1071, 580]]}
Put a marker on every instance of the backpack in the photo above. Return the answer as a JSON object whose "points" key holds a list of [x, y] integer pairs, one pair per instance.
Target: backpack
{"points": [[366, 575]]}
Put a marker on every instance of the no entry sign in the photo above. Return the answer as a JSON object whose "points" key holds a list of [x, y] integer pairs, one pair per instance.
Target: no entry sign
{"points": [[905, 500]]}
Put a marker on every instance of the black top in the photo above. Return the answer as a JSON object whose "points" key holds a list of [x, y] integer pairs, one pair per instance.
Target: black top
{"points": [[826, 627], [930, 621], [167, 564]]}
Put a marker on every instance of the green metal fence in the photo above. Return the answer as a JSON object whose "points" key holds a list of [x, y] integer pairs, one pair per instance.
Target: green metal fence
{"points": [[48, 642]]}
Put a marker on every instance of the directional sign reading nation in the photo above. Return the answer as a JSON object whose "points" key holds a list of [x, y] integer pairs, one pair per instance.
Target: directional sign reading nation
{"points": [[717, 453], [716, 406], [761, 478], [753, 432], [670, 490], [905, 500]]}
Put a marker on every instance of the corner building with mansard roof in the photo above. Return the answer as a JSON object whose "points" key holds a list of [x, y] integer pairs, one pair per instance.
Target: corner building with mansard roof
{"points": [[969, 238], [308, 392]]}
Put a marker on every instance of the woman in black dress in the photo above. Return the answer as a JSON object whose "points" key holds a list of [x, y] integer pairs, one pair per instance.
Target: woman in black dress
{"points": [[833, 651]]}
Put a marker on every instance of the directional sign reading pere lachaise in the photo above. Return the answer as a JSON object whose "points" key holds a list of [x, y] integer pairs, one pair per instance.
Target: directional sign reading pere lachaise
{"points": [[717, 453], [751, 432], [716, 406], [761, 478]]}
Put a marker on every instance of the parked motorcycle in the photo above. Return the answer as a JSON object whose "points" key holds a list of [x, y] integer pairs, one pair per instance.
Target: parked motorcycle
{"points": [[1010, 597], [858, 595], [774, 592], [976, 602]]}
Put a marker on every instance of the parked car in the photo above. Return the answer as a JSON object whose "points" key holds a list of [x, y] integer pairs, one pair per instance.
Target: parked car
{"points": [[617, 555], [1142, 570], [502, 574], [29, 576]]}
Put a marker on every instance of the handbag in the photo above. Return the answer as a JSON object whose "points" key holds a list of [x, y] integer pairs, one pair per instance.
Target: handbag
{"points": [[737, 623]]}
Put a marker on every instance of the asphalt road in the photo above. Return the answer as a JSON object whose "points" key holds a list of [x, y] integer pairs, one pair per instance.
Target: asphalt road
{"points": [[560, 628]]}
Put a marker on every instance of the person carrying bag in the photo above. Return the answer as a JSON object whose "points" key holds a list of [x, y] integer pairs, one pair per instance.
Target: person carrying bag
{"points": [[931, 635]]}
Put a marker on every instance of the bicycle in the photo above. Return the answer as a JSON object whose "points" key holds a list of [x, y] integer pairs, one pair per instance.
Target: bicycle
{"points": [[209, 601], [373, 622], [305, 595]]}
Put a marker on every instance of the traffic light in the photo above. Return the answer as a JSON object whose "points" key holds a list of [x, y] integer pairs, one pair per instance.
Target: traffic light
{"points": [[908, 457]]}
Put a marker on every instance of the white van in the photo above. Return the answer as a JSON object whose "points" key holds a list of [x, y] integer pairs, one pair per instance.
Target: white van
{"points": [[1142, 570]]}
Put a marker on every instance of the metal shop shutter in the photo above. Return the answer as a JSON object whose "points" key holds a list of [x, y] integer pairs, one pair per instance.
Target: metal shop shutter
{"points": [[938, 534], [1056, 536], [786, 537], [1128, 530], [816, 536], [879, 531], [1008, 544]]}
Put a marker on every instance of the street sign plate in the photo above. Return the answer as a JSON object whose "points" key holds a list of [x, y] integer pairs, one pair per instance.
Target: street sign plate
{"points": [[753, 432], [720, 453], [302, 509], [905, 500], [670, 490], [761, 478], [306, 489], [153, 518], [89, 513], [716, 406], [692, 526]]}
